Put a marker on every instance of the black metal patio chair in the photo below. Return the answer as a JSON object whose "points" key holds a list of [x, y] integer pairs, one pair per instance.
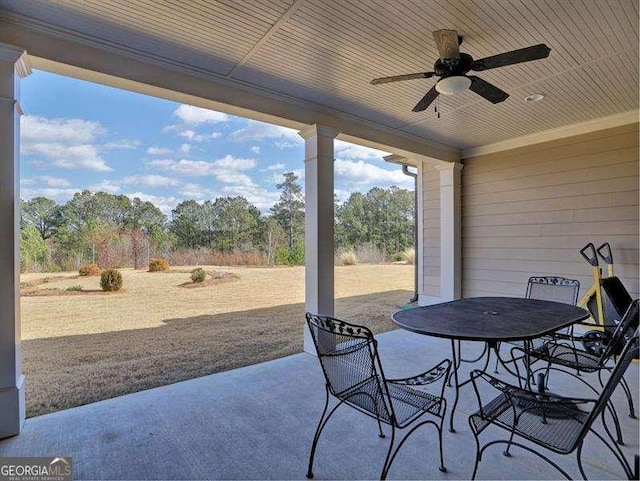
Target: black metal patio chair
{"points": [[568, 359], [558, 424], [348, 355], [550, 288]]}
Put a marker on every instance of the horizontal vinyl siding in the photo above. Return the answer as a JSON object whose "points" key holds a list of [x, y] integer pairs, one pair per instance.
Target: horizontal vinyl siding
{"points": [[528, 211], [431, 234]]}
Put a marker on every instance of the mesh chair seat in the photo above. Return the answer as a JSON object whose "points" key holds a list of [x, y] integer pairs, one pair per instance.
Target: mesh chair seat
{"points": [[407, 403], [556, 426], [568, 356]]}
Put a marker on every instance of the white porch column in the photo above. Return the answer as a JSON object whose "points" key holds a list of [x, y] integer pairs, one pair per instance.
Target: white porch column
{"points": [[14, 64], [450, 230], [319, 242]]}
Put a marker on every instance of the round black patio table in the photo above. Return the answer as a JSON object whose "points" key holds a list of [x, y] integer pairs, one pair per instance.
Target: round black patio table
{"points": [[488, 319]]}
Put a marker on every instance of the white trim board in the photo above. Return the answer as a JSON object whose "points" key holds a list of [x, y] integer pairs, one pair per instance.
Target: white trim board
{"points": [[594, 125]]}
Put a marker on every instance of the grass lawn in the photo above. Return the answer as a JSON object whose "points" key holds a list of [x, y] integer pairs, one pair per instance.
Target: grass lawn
{"points": [[84, 347]]}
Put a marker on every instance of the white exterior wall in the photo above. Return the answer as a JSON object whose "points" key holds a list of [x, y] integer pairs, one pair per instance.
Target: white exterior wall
{"points": [[528, 211]]}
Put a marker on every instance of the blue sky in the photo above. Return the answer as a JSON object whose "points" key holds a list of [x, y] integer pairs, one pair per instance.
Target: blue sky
{"points": [[78, 135]]}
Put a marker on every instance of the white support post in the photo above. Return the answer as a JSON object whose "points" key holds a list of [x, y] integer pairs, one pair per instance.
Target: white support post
{"points": [[450, 230], [319, 241], [14, 65]]}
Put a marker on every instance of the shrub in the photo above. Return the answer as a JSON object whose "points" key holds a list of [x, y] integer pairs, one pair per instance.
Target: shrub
{"points": [[75, 287], [89, 270], [369, 254], [289, 257], [198, 274], [397, 257], [111, 280], [158, 265], [347, 258], [409, 255]]}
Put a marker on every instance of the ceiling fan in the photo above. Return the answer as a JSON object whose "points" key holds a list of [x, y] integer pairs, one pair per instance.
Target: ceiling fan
{"points": [[452, 67]]}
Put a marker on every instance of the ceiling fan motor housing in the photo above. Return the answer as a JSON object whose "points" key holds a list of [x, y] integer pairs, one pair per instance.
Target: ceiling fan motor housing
{"points": [[454, 66]]}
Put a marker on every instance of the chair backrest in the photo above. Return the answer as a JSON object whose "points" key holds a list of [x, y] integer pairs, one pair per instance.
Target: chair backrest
{"points": [[349, 358], [624, 331], [550, 288], [630, 351]]}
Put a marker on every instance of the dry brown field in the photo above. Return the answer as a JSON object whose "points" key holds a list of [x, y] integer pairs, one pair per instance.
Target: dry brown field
{"points": [[84, 347]]}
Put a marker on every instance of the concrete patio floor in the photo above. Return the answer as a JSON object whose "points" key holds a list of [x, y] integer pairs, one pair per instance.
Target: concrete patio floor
{"points": [[258, 422]]}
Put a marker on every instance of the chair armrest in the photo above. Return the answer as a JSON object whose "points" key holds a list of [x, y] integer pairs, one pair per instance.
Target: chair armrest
{"points": [[514, 392], [428, 377]]}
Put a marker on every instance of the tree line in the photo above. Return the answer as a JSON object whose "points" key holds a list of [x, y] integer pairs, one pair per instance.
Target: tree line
{"points": [[115, 231]]}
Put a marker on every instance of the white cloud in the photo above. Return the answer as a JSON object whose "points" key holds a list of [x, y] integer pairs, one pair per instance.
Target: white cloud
{"points": [[196, 137], [151, 180], [158, 151], [342, 195], [227, 169], [125, 144], [24, 181], [65, 143], [107, 186], [54, 181], [75, 131], [261, 198], [346, 150], [275, 167], [362, 175], [60, 195], [255, 149], [195, 115], [165, 204], [185, 148], [188, 134], [284, 137], [195, 191]]}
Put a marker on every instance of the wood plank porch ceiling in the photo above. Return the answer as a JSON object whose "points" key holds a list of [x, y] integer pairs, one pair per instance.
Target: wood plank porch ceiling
{"points": [[326, 52]]}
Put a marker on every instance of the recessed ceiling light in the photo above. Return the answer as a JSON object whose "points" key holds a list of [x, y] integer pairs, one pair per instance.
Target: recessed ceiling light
{"points": [[534, 98]]}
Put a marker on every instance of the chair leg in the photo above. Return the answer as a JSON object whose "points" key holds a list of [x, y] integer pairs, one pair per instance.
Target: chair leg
{"points": [[316, 437], [627, 391], [478, 453], [393, 451], [388, 459]]}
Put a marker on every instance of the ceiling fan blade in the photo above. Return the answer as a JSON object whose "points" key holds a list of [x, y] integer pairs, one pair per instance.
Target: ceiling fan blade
{"points": [[397, 78], [426, 100], [448, 44], [535, 52], [489, 91]]}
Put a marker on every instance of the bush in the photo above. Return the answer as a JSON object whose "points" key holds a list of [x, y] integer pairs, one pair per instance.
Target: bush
{"points": [[369, 254], [397, 257], [347, 258], [289, 257], [89, 270], [75, 287], [409, 255], [158, 265], [198, 274], [111, 280]]}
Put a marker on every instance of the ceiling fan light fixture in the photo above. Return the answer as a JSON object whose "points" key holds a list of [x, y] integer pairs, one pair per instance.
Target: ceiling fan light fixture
{"points": [[453, 84]]}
